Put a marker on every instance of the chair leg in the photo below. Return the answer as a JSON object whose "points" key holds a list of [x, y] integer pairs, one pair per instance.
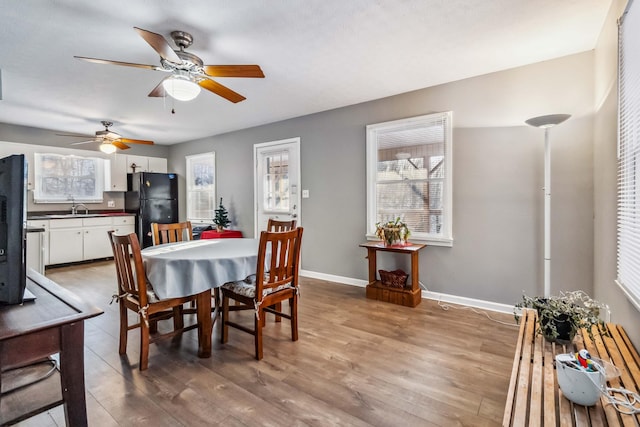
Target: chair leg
{"points": [[124, 328], [258, 332], [278, 307], [224, 328], [293, 305], [144, 343], [178, 320]]}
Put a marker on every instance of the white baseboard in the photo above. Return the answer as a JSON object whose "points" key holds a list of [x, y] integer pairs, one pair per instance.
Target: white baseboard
{"points": [[452, 299], [332, 278]]}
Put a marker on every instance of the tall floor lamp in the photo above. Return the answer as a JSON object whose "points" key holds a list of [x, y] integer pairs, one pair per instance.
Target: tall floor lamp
{"points": [[547, 122]]}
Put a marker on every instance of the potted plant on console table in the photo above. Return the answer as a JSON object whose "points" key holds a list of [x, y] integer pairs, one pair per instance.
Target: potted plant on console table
{"points": [[560, 317], [393, 233]]}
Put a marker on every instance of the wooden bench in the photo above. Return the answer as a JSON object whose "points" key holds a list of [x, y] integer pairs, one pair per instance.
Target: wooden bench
{"points": [[534, 398]]}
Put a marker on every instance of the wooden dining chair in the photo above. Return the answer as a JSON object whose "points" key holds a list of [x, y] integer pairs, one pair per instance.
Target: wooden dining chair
{"points": [[275, 225], [273, 283], [169, 233], [279, 226], [136, 294]]}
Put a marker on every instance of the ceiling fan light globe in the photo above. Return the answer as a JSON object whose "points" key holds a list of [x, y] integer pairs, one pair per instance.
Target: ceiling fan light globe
{"points": [[107, 147], [181, 88]]}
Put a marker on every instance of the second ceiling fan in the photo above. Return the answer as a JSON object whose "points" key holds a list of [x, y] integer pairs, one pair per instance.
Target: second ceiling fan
{"points": [[108, 139], [187, 71]]}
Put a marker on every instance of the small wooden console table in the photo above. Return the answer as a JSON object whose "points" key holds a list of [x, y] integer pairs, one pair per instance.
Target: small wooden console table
{"points": [[409, 296], [30, 332]]}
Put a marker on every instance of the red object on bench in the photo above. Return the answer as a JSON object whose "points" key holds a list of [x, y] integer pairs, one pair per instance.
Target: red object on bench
{"points": [[224, 234]]}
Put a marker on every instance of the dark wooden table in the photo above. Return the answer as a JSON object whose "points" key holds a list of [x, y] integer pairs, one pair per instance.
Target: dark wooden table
{"points": [[33, 331], [409, 296]]}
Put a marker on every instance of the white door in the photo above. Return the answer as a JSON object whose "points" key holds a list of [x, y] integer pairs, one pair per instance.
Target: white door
{"points": [[277, 182]]}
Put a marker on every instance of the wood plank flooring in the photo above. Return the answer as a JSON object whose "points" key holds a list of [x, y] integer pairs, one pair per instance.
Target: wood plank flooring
{"points": [[358, 362]]}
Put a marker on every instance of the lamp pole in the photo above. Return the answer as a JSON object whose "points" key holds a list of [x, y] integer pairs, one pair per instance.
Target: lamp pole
{"points": [[546, 123]]}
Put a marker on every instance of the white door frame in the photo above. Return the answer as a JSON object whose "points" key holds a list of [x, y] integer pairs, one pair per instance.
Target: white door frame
{"points": [[256, 147]]}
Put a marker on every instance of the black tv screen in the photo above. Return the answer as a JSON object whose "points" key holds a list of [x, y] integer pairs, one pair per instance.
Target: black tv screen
{"points": [[13, 216]]}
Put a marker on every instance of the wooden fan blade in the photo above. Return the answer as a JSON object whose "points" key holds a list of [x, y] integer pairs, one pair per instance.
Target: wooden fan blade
{"points": [[126, 64], [221, 90], [159, 91], [119, 144], [233, 71], [84, 142], [160, 45], [76, 135], [134, 141]]}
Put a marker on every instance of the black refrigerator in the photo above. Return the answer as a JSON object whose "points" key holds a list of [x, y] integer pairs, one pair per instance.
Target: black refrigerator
{"points": [[153, 197]]}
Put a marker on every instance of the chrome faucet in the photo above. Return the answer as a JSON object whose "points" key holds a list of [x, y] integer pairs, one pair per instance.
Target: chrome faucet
{"points": [[74, 209]]}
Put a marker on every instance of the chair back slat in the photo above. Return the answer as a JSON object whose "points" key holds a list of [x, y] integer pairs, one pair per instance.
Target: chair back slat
{"points": [[280, 226], [284, 262], [129, 266], [169, 233]]}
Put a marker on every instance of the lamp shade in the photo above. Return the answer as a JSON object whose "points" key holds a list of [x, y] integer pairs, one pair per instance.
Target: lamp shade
{"points": [[181, 88], [547, 121], [107, 147]]}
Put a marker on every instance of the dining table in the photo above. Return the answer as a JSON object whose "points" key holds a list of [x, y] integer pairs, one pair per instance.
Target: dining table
{"points": [[187, 268], [196, 267]]}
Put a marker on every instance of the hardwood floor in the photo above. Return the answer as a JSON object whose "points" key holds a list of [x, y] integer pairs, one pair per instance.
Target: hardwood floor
{"points": [[358, 362]]}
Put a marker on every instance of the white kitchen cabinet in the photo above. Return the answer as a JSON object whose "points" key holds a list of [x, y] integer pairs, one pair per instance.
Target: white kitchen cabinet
{"points": [[65, 245], [157, 164], [145, 164], [122, 164], [34, 251], [118, 173], [44, 239], [124, 225], [137, 164], [83, 239], [95, 240]]}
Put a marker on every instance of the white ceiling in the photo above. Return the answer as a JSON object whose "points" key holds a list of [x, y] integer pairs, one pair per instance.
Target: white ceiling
{"points": [[316, 55]]}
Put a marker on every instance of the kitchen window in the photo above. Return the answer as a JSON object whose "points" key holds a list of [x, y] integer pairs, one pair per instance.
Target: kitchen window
{"points": [[409, 176], [201, 187], [62, 178]]}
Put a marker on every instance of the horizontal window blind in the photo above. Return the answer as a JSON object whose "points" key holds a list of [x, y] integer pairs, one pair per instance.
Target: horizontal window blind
{"points": [[201, 187], [629, 155]]}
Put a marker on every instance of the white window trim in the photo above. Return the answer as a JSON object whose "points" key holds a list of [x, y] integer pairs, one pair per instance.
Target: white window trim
{"points": [[372, 159], [188, 160]]}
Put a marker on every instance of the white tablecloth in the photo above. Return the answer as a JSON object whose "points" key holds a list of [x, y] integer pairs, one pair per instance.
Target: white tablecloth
{"points": [[188, 268]]}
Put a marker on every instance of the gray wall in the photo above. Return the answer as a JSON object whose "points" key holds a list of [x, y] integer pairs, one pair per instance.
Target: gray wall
{"points": [[498, 176], [605, 171]]}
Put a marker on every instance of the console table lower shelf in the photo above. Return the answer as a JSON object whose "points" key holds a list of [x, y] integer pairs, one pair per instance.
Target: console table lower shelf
{"points": [[408, 296], [404, 296]]}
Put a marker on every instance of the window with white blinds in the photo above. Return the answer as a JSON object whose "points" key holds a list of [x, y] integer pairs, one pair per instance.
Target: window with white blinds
{"points": [[629, 154], [409, 176], [68, 178], [201, 187]]}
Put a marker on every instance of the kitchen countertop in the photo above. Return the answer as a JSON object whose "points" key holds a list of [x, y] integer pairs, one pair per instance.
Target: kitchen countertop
{"points": [[42, 215]]}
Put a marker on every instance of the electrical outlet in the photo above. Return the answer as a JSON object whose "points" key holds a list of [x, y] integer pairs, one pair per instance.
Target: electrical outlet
{"points": [[111, 203], [305, 194]]}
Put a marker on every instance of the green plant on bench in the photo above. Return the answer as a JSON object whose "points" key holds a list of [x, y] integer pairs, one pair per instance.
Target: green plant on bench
{"points": [[560, 317]]}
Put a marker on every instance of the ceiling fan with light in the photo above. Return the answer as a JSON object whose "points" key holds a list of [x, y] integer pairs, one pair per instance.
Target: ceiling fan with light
{"points": [[187, 71], [109, 140]]}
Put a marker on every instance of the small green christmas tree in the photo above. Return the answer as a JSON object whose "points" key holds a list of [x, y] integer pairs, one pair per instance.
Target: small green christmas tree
{"points": [[222, 217]]}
